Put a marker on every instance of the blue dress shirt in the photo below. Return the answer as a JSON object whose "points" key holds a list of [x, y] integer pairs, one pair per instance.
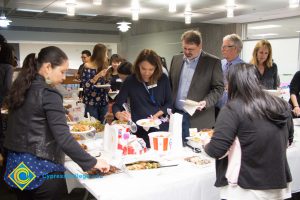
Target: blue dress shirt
{"points": [[187, 73]]}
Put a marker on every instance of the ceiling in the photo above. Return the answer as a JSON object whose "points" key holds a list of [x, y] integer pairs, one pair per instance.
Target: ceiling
{"points": [[112, 11]]}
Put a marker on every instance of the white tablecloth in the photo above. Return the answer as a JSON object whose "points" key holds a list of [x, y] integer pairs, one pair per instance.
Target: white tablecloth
{"points": [[175, 183]]}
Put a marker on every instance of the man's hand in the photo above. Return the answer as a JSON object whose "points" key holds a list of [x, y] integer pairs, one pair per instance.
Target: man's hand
{"points": [[201, 105]]}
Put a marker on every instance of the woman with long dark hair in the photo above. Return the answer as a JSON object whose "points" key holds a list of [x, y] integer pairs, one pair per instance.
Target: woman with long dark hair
{"points": [[38, 134], [258, 128]]}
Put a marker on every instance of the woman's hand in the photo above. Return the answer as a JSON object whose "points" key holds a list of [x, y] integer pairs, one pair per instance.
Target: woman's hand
{"points": [[296, 111], [102, 73], [123, 116], [157, 115], [102, 165]]}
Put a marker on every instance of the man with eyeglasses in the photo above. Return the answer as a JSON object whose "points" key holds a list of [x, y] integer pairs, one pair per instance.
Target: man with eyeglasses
{"points": [[231, 48], [85, 57], [195, 75]]}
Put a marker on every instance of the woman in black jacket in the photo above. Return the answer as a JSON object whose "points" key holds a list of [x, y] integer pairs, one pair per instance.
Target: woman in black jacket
{"points": [[38, 133], [258, 128]]}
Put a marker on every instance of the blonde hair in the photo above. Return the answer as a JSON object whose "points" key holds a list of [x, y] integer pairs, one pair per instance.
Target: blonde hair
{"points": [[261, 44]]}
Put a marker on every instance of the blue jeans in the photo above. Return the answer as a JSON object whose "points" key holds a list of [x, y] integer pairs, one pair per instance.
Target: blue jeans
{"points": [[96, 111]]}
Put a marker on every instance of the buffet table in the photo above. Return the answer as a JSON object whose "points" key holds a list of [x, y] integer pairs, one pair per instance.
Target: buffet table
{"points": [[181, 182]]}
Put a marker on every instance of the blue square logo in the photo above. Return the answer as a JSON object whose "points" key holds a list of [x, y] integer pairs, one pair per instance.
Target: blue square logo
{"points": [[22, 176]]}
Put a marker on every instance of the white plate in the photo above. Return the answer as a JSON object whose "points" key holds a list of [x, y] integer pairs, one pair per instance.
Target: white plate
{"points": [[82, 132], [142, 122], [113, 92], [71, 122], [296, 121], [103, 86]]}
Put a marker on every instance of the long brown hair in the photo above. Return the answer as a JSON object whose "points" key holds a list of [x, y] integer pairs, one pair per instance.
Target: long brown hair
{"points": [[151, 57], [99, 56]]}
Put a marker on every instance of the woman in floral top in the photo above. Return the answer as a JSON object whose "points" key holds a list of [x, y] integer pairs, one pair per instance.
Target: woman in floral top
{"points": [[94, 72]]}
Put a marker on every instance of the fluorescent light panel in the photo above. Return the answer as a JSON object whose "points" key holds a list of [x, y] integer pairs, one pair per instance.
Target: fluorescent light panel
{"points": [[29, 10], [264, 27], [97, 2], [265, 34]]}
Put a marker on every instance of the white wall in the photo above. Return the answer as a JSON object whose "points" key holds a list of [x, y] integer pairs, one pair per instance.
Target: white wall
{"points": [[73, 50], [166, 44], [285, 55]]}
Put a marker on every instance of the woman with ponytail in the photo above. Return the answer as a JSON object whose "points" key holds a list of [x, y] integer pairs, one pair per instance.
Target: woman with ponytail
{"points": [[38, 133]]}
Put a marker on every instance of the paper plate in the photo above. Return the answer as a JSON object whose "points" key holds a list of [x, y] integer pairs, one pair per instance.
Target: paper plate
{"points": [[103, 86], [148, 123], [190, 102], [82, 132]]}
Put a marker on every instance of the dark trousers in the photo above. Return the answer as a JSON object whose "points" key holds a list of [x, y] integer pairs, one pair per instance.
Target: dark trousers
{"points": [[51, 189]]}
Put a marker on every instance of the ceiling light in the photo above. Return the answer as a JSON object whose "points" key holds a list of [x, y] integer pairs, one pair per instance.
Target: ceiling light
{"points": [[265, 34], [135, 9], [293, 3], [298, 31], [264, 27], [172, 6], [70, 7], [230, 5], [188, 14], [123, 26], [4, 22], [97, 2]]}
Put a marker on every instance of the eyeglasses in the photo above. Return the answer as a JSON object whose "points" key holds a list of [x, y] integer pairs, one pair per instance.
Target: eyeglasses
{"points": [[227, 46]]}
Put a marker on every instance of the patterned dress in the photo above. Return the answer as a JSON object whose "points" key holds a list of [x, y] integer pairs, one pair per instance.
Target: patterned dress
{"points": [[92, 95]]}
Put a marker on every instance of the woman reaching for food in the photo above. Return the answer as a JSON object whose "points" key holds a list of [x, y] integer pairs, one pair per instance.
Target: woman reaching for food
{"points": [[38, 134], [148, 91]]}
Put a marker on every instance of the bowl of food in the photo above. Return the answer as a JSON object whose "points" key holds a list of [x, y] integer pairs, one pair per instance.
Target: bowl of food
{"points": [[160, 141]]}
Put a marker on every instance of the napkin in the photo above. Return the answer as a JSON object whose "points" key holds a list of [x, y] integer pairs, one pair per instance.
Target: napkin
{"points": [[190, 106], [175, 128]]}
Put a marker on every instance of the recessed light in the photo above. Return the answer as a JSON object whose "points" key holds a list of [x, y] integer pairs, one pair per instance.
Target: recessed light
{"points": [[264, 26]]}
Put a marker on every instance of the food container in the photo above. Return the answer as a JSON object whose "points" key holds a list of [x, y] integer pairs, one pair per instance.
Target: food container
{"points": [[160, 141]]}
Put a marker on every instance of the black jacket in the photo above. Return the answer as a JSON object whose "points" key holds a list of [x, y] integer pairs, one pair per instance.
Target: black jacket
{"points": [[263, 146], [39, 127]]}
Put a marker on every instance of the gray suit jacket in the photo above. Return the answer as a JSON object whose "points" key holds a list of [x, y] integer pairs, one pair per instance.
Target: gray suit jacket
{"points": [[207, 84]]}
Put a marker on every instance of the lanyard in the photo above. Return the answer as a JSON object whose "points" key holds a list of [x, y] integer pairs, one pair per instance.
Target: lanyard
{"points": [[151, 93]]}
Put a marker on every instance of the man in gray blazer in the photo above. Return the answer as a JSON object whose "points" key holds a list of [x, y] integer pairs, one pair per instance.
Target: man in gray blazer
{"points": [[196, 75]]}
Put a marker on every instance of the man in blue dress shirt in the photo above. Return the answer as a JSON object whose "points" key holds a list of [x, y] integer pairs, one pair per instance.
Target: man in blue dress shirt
{"points": [[197, 76], [231, 48]]}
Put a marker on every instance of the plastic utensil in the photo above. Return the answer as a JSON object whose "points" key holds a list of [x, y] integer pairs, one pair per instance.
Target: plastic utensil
{"points": [[133, 127]]}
